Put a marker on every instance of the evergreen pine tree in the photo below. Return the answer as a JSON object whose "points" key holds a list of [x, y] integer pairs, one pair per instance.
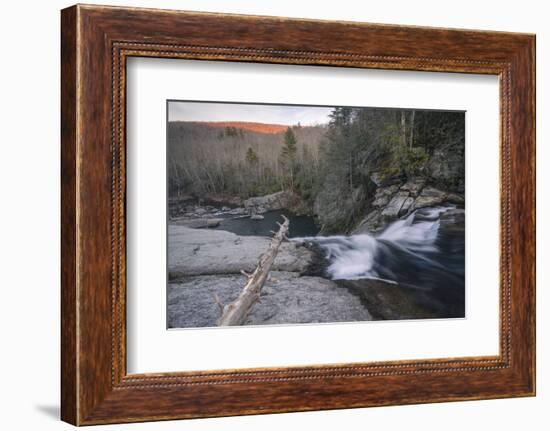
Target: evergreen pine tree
{"points": [[288, 155], [251, 157]]}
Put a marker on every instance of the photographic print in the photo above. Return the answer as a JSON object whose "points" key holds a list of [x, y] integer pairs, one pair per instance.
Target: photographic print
{"points": [[294, 214]]}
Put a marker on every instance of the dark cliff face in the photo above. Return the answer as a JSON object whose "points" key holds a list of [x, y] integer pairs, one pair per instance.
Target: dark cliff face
{"points": [[446, 169]]}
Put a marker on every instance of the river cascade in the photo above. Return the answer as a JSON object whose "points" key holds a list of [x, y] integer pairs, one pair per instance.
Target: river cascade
{"points": [[418, 253]]}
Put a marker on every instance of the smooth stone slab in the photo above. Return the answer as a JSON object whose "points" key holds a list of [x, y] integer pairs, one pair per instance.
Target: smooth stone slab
{"points": [[286, 298]]}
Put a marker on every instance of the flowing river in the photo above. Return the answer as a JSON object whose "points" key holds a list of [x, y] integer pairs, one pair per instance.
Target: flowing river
{"points": [[420, 254]]}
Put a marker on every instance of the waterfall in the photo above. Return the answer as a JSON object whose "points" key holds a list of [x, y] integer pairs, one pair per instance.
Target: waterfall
{"points": [[397, 253]]}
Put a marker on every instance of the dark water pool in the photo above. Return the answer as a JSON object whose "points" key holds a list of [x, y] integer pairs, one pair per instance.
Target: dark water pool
{"points": [[299, 225]]}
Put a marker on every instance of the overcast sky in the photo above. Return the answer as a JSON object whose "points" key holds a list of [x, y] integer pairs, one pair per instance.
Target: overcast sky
{"points": [[272, 114]]}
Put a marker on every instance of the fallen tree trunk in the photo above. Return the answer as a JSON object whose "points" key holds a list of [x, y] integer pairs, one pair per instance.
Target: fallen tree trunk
{"points": [[235, 313]]}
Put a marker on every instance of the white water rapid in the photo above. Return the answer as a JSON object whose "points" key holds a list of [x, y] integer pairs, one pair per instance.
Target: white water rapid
{"points": [[380, 256]]}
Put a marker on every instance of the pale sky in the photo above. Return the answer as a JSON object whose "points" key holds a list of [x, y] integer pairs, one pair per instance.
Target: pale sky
{"points": [[272, 114]]}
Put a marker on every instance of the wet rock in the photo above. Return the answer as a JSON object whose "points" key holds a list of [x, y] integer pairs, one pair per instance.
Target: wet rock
{"points": [[387, 301], [381, 201], [430, 197], [414, 186], [286, 298], [407, 204], [393, 202], [256, 217], [373, 222], [453, 219], [393, 208], [454, 198], [383, 195], [205, 251]]}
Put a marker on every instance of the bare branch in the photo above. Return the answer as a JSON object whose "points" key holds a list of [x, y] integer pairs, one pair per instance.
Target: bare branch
{"points": [[236, 312], [219, 303], [246, 274]]}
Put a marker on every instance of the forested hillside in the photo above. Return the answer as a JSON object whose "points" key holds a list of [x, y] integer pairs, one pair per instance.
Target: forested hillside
{"points": [[208, 159]]}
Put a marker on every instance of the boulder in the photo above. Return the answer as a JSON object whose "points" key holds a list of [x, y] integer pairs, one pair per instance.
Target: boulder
{"points": [[373, 222], [393, 202], [256, 217], [407, 204], [276, 201], [414, 186], [393, 209], [430, 197], [453, 219], [205, 252], [286, 298], [383, 195], [381, 201], [237, 211], [377, 178], [197, 223], [454, 198]]}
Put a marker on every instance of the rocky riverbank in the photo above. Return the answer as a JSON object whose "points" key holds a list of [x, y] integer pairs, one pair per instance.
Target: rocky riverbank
{"points": [[187, 207], [205, 263], [381, 201], [397, 200], [207, 252]]}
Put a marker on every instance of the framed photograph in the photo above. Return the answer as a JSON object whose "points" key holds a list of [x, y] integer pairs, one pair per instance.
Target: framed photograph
{"points": [[264, 215], [370, 237]]}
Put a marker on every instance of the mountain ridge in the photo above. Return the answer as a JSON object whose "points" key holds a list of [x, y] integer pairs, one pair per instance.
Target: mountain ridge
{"points": [[266, 128]]}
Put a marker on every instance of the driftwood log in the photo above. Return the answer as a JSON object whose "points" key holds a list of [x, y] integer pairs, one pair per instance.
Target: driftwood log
{"points": [[235, 313]]}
